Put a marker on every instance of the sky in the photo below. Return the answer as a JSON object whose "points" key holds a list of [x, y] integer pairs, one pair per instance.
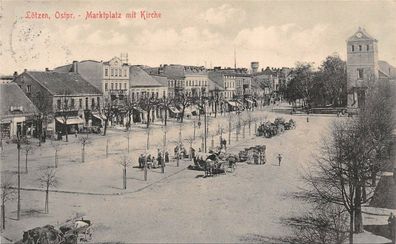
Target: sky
{"points": [[274, 33]]}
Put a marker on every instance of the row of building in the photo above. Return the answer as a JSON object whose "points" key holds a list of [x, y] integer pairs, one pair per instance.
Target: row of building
{"points": [[76, 95]]}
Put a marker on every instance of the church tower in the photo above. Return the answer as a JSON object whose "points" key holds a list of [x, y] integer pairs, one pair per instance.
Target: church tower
{"points": [[362, 66]]}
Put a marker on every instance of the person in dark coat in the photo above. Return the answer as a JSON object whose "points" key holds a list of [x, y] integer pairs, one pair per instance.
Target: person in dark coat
{"points": [[392, 227], [166, 157]]}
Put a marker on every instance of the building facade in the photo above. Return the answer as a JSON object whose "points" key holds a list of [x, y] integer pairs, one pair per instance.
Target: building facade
{"points": [[17, 112], [67, 101], [362, 66]]}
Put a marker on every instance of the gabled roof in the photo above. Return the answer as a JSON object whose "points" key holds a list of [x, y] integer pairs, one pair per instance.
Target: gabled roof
{"points": [[11, 95], [161, 79], [363, 35], [59, 83], [139, 78]]}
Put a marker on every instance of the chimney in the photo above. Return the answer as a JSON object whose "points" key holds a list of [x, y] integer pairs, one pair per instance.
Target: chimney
{"points": [[47, 69], [25, 70], [254, 66], [15, 74], [75, 67]]}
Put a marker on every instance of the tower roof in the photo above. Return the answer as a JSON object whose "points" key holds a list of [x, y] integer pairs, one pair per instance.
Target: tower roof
{"points": [[361, 34]]}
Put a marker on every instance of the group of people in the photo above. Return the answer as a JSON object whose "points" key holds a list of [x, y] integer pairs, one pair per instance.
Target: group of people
{"points": [[152, 161]]}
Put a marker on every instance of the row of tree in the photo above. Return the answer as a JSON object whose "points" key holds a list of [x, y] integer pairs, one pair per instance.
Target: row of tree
{"points": [[345, 171], [325, 86]]}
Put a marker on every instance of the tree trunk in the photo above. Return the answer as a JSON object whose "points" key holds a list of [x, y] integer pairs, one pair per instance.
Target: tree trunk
{"points": [[83, 154], [46, 208], [351, 227], [3, 215], [166, 115], [148, 118], [56, 158], [105, 126], [67, 138], [124, 178], [26, 167], [358, 210], [182, 114]]}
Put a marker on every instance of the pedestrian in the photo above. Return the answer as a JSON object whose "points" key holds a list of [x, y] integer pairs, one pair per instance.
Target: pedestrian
{"points": [[392, 227], [279, 158], [166, 157], [307, 119], [225, 144]]}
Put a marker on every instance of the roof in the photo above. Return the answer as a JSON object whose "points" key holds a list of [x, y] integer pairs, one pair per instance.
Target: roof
{"points": [[217, 79], [139, 78], [90, 70], [11, 95], [364, 35], [387, 69], [174, 71], [213, 86], [59, 83], [161, 79]]}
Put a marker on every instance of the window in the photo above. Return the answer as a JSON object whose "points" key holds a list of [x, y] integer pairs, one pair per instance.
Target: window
{"points": [[125, 86], [98, 102], [86, 103], [163, 94], [152, 94], [92, 103], [58, 104], [156, 95], [72, 103], [80, 103], [137, 95], [116, 72], [29, 88], [112, 72], [106, 72], [360, 73], [106, 86], [353, 48], [360, 47], [133, 95], [368, 47], [116, 86], [112, 86], [66, 103], [125, 74]]}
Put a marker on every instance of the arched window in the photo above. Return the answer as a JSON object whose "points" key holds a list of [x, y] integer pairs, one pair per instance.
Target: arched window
{"points": [[353, 48]]}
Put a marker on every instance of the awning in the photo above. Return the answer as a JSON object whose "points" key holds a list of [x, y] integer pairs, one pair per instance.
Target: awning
{"points": [[99, 116], [249, 101], [174, 110], [72, 120], [5, 121], [232, 103], [139, 109]]}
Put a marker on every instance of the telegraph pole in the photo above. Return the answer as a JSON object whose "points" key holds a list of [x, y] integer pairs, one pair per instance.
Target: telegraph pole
{"points": [[19, 178]]}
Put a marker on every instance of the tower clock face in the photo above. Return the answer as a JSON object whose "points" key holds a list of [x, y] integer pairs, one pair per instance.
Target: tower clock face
{"points": [[359, 35]]}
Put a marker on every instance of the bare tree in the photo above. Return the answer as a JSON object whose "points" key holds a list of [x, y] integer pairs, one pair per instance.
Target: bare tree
{"points": [[184, 101], [84, 141], [341, 170], [7, 194], [28, 148], [166, 103], [64, 109], [47, 179], [148, 104], [125, 163], [109, 110]]}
